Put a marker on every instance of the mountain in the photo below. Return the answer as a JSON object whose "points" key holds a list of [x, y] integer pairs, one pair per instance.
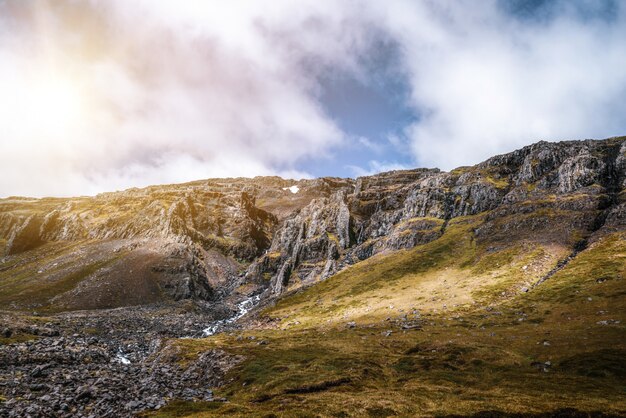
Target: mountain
{"points": [[205, 240], [162, 243], [497, 287]]}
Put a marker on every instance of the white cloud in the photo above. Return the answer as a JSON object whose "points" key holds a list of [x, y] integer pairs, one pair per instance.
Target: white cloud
{"points": [[374, 166], [143, 92], [487, 83], [370, 145], [179, 92]]}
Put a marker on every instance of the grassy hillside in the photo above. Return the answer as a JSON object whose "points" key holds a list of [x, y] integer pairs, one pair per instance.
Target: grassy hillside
{"points": [[60, 276], [446, 328], [452, 273]]}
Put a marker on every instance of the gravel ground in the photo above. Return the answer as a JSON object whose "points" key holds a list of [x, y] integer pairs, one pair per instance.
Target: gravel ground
{"points": [[107, 363]]}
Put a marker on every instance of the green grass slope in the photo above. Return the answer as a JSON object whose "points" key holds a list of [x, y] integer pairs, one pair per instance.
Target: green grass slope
{"points": [[61, 276], [443, 329]]}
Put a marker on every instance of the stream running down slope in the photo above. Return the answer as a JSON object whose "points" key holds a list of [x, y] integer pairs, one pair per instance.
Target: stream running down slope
{"points": [[243, 308]]}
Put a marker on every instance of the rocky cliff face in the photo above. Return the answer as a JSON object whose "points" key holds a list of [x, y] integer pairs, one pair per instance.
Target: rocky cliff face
{"points": [[176, 242], [557, 192], [209, 239]]}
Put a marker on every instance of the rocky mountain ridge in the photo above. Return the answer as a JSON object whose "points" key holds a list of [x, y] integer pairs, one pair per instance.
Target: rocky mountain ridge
{"points": [[208, 240], [583, 181]]}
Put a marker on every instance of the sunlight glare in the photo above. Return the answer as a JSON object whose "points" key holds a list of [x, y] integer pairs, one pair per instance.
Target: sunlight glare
{"points": [[42, 107]]}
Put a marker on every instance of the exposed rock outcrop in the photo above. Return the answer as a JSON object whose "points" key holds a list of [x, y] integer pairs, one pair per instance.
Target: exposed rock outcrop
{"points": [[209, 239], [551, 191]]}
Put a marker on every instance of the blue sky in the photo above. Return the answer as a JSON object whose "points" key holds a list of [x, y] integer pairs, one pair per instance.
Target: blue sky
{"points": [[373, 108], [372, 111], [106, 95]]}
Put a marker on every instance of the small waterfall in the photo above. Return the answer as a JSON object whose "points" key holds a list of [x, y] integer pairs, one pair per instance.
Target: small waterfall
{"points": [[243, 308], [121, 357]]}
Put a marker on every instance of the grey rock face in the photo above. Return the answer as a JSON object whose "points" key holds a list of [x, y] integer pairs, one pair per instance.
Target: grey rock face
{"points": [[208, 238], [402, 209]]}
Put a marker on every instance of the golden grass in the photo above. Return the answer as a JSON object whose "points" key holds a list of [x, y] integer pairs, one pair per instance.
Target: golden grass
{"points": [[17, 338], [466, 358], [446, 275], [445, 369]]}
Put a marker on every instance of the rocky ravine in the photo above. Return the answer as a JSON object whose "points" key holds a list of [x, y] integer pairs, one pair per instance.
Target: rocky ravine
{"points": [[111, 278]]}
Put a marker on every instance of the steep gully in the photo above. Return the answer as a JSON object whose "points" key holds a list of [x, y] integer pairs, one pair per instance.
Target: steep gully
{"points": [[611, 181]]}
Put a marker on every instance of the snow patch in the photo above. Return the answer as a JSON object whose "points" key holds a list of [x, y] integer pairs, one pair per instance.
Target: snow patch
{"points": [[293, 189]]}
